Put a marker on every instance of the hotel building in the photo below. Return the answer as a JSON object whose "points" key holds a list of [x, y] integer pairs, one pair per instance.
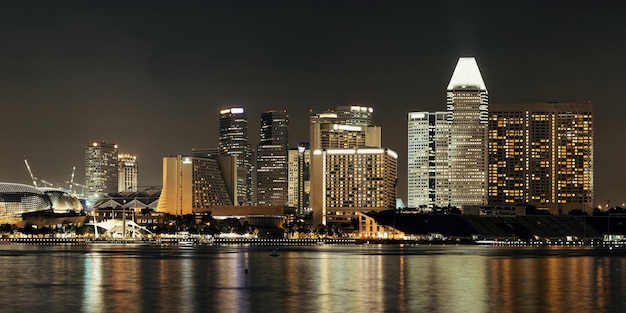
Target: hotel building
{"points": [[127, 172], [350, 172], [195, 184], [542, 154]]}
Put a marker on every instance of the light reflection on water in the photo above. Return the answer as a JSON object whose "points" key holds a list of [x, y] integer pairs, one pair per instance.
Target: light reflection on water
{"points": [[366, 278]]}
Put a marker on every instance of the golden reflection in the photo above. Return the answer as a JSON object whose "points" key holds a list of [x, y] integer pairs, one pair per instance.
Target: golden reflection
{"points": [[364, 278], [92, 291], [554, 281]]}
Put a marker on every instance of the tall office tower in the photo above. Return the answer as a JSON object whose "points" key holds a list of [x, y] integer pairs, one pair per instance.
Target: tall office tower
{"points": [[272, 162], [127, 170], [468, 116], [233, 141], [541, 154], [100, 169], [192, 184], [344, 145], [299, 181], [428, 171], [344, 129]]}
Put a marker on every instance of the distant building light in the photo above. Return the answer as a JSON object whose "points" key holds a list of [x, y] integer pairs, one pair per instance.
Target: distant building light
{"points": [[328, 115], [341, 151], [347, 127], [371, 151], [416, 116]]}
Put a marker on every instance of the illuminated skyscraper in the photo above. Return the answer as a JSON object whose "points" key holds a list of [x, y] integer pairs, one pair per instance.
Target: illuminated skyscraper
{"points": [[350, 172], [127, 172], [468, 116], [541, 154], [299, 178], [272, 162], [428, 170], [233, 141], [101, 169]]}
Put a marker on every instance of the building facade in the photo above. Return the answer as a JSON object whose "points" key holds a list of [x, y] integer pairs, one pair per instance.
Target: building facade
{"points": [[348, 165], [299, 189], [127, 172], [271, 159], [344, 128], [447, 151], [542, 154], [354, 180], [467, 105], [192, 184], [101, 169], [428, 170], [233, 141]]}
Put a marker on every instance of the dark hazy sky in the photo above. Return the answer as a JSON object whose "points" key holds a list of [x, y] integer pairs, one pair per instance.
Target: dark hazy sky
{"points": [[153, 75]]}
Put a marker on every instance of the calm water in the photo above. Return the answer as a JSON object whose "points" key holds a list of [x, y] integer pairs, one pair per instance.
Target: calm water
{"points": [[364, 278]]}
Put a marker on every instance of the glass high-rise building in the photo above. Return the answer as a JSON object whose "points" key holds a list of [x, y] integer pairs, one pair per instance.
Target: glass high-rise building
{"points": [[428, 170], [101, 169], [233, 141], [271, 159], [467, 105], [447, 151], [541, 154]]}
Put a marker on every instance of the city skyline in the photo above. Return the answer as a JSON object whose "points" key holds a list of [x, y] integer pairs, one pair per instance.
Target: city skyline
{"points": [[154, 81]]}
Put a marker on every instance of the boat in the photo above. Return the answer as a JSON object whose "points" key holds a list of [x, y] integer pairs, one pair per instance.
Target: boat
{"points": [[274, 252]]}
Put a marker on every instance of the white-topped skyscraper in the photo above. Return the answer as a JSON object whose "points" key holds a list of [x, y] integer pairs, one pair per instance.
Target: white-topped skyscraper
{"points": [[447, 151], [467, 105]]}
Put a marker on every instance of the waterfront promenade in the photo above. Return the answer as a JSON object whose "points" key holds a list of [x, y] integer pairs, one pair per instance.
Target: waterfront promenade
{"points": [[591, 242]]}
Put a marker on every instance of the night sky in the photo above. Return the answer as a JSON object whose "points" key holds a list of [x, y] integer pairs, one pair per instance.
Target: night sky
{"points": [[152, 76]]}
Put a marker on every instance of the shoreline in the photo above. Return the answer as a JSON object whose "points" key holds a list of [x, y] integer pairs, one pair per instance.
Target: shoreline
{"points": [[589, 243]]}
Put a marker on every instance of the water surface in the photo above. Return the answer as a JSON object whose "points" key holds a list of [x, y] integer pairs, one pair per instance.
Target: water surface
{"points": [[325, 278]]}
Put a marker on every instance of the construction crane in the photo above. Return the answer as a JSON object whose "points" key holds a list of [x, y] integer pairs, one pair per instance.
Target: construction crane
{"points": [[30, 172], [47, 183], [83, 186], [72, 179]]}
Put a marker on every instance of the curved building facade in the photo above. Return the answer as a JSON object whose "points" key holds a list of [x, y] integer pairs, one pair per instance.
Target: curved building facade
{"points": [[16, 199], [62, 201]]}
